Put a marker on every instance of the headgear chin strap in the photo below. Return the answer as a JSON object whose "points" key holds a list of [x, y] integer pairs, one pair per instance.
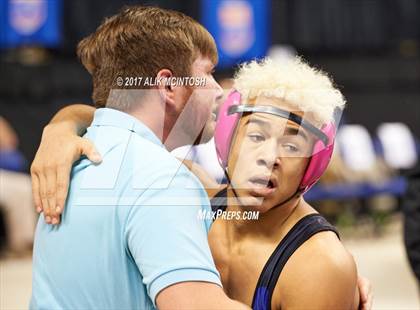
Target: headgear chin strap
{"points": [[231, 111]]}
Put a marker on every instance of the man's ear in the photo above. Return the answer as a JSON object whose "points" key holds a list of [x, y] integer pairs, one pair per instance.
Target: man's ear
{"points": [[164, 87]]}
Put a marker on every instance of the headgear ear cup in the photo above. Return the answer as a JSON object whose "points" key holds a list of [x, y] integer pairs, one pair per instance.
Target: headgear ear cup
{"points": [[319, 160], [225, 127]]}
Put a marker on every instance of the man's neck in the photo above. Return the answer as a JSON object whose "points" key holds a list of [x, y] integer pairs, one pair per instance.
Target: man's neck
{"points": [[163, 126], [149, 109]]}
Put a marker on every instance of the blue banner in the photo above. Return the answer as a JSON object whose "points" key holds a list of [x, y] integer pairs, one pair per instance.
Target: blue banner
{"points": [[30, 22], [241, 28]]}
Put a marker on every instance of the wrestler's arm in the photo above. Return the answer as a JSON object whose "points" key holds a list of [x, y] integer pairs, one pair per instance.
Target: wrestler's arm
{"points": [[329, 281], [60, 147], [211, 186]]}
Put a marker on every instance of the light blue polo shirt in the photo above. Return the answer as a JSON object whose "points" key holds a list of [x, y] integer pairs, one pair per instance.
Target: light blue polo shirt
{"points": [[130, 226]]}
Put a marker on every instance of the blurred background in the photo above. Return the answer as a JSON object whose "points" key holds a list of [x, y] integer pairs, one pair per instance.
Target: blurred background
{"points": [[371, 48]]}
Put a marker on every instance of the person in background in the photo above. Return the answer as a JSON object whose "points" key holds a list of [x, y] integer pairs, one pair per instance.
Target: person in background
{"points": [[15, 194]]}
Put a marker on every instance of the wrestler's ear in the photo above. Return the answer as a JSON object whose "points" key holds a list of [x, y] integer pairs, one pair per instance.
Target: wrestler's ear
{"points": [[165, 89]]}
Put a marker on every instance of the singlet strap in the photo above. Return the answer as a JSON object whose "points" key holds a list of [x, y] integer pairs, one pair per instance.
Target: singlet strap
{"points": [[219, 201], [304, 229]]}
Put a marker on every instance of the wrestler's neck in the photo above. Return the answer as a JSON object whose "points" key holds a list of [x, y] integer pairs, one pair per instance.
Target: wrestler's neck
{"points": [[270, 225]]}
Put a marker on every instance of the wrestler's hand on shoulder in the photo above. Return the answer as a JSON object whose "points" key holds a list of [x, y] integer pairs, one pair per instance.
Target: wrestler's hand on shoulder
{"points": [[60, 147], [211, 186]]}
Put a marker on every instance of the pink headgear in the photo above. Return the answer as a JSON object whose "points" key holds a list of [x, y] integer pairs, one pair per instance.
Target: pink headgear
{"points": [[225, 129]]}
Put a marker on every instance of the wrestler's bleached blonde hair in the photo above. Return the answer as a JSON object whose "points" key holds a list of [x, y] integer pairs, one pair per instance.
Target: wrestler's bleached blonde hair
{"points": [[294, 81]]}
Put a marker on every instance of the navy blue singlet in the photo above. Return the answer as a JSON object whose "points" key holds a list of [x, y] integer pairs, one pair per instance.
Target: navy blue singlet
{"points": [[304, 229]]}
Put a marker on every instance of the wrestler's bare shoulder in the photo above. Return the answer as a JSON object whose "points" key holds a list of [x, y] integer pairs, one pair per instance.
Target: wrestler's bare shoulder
{"points": [[321, 274]]}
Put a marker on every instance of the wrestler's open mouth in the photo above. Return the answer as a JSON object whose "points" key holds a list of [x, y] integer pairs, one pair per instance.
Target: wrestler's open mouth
{"points": [[263, 182]]}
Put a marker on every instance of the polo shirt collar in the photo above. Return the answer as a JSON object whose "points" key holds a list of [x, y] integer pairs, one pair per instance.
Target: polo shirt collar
{"points": [[115, 118]]}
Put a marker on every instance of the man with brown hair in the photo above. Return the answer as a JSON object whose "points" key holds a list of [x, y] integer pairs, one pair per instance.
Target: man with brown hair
{"points": [[130, 236]]}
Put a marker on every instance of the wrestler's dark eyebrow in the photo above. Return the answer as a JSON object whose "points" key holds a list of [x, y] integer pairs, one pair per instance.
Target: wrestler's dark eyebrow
{"points": [[292, 131]]}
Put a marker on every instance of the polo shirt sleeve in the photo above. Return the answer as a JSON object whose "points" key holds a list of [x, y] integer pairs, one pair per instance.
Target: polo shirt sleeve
{"points": [[167, 238]]}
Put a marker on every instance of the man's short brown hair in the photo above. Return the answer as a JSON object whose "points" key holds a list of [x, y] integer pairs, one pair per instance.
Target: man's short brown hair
{"points": [[138, 42]]}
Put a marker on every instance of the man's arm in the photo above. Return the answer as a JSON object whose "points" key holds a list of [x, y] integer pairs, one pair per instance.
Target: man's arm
{"points": [[60, 147], [167, 239], [195, 295]]}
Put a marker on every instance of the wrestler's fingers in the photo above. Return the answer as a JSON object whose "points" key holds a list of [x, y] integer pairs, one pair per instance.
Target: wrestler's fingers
{"points": [[366, 294], [63, 176], [88, 149], [36, 191], [44, 199], [51, 187]]}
